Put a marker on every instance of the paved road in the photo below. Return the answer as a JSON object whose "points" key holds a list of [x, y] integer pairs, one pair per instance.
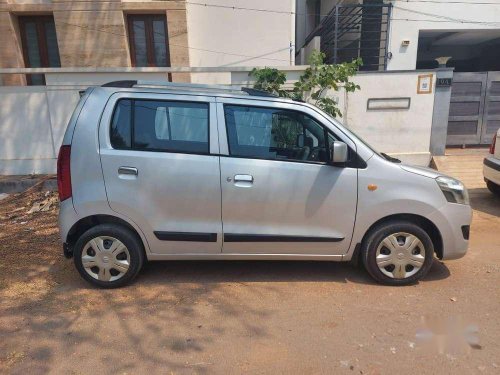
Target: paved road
{"points": [[244, 317]]}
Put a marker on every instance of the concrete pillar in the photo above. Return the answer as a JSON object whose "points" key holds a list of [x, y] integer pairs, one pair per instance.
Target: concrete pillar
{"points": [[442, 98]]}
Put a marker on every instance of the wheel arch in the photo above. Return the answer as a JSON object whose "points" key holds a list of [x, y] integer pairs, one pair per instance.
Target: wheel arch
{"points": [[427, 225], [84, 224]]}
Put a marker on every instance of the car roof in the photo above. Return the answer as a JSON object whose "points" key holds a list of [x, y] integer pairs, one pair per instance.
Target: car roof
{"points": [[195, 89]]}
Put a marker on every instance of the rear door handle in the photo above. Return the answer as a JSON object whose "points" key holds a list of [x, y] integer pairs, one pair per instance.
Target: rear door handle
{"points": [[128, 170], [243, 178]]}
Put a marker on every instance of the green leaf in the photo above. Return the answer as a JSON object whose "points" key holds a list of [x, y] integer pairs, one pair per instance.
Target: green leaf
{"points": [[317, 79]]}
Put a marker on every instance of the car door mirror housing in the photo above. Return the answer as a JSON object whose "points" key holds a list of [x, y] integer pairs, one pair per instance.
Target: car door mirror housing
{"points": [[338, 152]]}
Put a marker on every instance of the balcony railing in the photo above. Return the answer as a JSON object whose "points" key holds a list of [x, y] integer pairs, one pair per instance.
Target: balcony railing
{"points": [[351, 31]]}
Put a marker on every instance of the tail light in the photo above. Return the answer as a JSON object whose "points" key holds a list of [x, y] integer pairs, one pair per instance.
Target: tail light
{"points": [[64, 173], [493, 144]]}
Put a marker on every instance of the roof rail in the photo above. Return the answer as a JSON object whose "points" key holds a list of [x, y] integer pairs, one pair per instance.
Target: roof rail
{"points": [[257, 92], [189, 87], [124, 84]]}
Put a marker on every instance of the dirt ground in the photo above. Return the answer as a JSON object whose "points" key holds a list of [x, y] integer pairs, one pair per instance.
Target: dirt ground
{"points": [[243, 317]]}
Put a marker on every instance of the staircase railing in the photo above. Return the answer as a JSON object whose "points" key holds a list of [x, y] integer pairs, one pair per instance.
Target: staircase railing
{"points": [[351, 31]]}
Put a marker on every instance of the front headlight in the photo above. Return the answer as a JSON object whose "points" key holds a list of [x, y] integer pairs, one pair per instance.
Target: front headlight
{"points": [[453, 190]]}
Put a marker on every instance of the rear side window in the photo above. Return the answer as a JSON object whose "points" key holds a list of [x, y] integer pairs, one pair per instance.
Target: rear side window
{"points": [[154, 125], [121, 125]]}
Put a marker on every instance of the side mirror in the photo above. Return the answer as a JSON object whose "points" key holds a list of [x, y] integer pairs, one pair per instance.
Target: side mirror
{"points": [[338, 152]]}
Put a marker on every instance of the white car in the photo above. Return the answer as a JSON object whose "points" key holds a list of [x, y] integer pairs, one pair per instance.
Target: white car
{"points": [[491, 166]]}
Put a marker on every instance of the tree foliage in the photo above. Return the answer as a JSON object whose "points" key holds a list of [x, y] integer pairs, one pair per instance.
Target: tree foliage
{"points": [[270, 80], [315, 83]]}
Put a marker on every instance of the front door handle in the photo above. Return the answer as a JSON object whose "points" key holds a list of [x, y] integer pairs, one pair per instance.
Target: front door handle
{"points": [[128, 170], [243, 178]]}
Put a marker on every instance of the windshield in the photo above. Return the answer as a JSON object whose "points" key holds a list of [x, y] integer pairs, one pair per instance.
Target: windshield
{"points": [[348, 132]]}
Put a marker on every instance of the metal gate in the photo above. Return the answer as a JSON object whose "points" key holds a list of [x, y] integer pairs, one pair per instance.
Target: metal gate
{"points": [[474, 108]]}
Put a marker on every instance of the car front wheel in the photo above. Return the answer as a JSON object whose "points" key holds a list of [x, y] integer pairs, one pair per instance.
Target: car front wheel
{"points": [[397, 253]]}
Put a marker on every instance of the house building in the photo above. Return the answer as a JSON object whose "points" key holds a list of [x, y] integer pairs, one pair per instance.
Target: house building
{"points": [[128, 33], [392, 35], [407, 34], [430, 77]]}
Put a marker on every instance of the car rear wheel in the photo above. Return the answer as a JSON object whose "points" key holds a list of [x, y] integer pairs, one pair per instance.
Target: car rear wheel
{"points": [[108, 255], [397, 253], [494, 188]]}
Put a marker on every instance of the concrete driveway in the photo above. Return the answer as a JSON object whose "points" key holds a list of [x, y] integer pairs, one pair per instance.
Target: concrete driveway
{"points": [[244, 317]]}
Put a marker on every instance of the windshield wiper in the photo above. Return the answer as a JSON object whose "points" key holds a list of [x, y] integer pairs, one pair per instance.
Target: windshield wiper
{"points": [[390, 158]]}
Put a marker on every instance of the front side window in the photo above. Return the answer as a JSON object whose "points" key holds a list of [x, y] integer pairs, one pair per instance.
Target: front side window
{"points": [[148, 38], [39, 41], [274, 133], [157, 125]]}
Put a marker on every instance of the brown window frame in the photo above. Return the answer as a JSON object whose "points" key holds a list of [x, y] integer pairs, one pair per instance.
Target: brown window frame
{"points": [[42, 41], [148, 24]]}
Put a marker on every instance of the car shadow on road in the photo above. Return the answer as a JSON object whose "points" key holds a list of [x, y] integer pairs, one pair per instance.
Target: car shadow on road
{"points": [[438, 271], [167, 319], [265, 271], [484, 201]]}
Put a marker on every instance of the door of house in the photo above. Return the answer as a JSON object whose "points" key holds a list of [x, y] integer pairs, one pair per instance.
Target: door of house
{"points": [[491, 116], [474, 108]]}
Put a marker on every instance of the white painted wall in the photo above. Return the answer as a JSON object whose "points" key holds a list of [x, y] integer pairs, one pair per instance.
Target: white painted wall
{"points": [[220, 36], [408, 18], [33, 118], [403, 133]]}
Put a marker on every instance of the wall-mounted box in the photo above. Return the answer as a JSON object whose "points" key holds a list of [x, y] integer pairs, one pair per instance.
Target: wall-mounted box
{"points": [[374, 104]]}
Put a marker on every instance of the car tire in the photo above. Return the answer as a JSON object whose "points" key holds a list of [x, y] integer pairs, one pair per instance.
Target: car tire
{"points": [[109, 255], [397, 253], [494, 188]]}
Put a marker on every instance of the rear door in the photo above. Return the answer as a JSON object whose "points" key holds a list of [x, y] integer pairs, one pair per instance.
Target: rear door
{"points": [[159, 156], [280, 195]]}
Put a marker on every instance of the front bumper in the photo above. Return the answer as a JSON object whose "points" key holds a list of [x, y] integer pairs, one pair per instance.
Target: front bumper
{"points": [[451, 219], [491, 169]]}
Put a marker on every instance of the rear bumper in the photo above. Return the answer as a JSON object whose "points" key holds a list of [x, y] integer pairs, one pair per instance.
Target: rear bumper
{"points": [[491, 169], [67, 218], [453, 221]]}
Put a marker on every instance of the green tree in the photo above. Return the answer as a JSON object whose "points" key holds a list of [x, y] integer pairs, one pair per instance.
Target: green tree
{"points": [[317, 79], [270, 80]]}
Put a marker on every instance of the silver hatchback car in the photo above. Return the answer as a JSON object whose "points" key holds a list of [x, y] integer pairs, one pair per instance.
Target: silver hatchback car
{"points": [[171, 171]]}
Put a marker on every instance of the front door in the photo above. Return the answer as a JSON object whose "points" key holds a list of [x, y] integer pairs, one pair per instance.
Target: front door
{"points": [[161, 169], [279, 193]]}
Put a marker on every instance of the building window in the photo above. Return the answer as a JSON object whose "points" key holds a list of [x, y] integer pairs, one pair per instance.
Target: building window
{"points": [[148, 37], [39, 41]]}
